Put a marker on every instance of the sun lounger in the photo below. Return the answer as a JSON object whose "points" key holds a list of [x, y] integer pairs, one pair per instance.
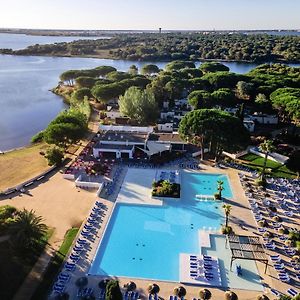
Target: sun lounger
{"points": [[275, 258], [292, 292], [59, 285], [58, 290], [275, 292], [284, 277]]}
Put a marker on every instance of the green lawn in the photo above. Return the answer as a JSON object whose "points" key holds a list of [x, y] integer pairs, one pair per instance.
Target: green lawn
{"points": [[270, 163], [68, 240], [249, 157], [54, 266], [256, 162]]}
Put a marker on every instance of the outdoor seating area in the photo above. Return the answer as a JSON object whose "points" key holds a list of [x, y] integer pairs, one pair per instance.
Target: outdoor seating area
{"points": [[79, 251], [200, 270], [86, 164], [205, 268], [276, 211]]}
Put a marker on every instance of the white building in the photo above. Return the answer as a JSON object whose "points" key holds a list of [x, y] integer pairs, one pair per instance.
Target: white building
{"points": [[165, 126], [124, 141], [121, 140]]}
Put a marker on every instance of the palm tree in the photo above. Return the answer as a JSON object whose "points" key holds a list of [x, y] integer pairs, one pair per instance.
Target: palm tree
{"points": [[220, 188], [227, 210], [205, 294], [267, 147], [27, 230], [229, 295]]}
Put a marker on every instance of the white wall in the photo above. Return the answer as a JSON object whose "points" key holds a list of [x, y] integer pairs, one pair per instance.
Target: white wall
{"points": [[165, 127]]}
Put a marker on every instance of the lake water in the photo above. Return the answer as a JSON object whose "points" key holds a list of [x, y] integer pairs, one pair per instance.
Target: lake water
{"points": [[20, 41], [27, 105]]}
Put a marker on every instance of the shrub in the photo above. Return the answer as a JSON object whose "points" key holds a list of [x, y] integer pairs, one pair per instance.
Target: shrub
{"points": [[6, 212], [113, 291], [37, 138], [54, 156], [164, 188], [285, 297]]}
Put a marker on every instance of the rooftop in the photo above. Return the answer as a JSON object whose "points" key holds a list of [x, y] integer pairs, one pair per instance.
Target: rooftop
{"points": [[167, 138], [113, 146], [123, 136]]}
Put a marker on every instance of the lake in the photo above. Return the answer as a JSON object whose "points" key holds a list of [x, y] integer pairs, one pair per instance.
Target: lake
{"points": [[27, 105], [21, 41]]}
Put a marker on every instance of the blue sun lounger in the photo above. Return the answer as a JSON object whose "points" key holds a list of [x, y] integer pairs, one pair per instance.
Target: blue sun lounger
{"points": [[292, 292]]}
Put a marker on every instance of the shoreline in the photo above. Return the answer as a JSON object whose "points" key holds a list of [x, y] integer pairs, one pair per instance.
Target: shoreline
{"points": [[154, 60]]}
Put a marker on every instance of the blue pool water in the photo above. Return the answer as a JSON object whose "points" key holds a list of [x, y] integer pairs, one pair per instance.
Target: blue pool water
{"points": [[145, 241]]}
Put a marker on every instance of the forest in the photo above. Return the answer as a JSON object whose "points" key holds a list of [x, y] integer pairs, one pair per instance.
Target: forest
{"points": [[178, 46]]}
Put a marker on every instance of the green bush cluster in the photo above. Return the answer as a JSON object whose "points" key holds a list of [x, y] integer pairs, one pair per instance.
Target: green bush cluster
{"points": [[7, 217], [164, 188]]}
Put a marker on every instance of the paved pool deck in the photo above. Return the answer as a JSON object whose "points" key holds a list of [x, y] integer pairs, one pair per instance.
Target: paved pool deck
{"points": [[136, 187], [241, 213]]}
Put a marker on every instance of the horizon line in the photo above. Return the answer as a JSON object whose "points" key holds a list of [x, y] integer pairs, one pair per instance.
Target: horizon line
{"points": [[163, 30]]}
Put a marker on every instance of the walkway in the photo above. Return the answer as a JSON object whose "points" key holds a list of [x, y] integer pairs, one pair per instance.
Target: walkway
{"points": [[35, 276]]}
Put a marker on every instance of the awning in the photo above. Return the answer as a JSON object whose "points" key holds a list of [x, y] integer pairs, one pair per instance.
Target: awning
{"points": [[155, 148]]}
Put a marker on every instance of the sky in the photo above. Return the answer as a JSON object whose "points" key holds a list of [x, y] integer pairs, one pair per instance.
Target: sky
{"points": [[150, 14]]}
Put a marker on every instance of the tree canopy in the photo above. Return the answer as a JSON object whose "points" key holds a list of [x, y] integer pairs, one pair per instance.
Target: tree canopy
{"points": [[200, 99], [222, 79], [287, 101], [54, 156], [106, 92], [68, 127], [224, 97], [213, 67], [27, 230], [293, 162], [150, 69], [85, 81], [220, 130], [102, 71], [178, 46], [178, 64], [81, 93], [139, 105]]}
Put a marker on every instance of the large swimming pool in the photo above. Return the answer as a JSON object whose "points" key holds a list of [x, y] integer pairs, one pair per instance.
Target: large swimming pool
{"points": [[143, 241]]}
